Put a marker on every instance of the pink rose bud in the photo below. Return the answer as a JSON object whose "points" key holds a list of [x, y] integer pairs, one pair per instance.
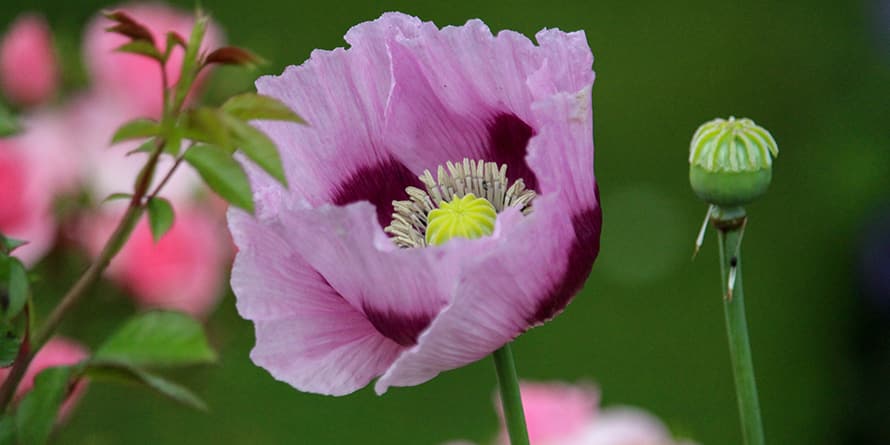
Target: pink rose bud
{"points": [[58, 352], [28, 70]]}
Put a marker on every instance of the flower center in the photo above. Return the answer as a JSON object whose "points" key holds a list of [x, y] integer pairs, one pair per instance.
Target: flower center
{"points": [[426, 218], [468, 217]]}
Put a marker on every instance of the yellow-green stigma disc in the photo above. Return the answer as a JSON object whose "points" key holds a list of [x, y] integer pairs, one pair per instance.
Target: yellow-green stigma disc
{"points": [[468, 217]]}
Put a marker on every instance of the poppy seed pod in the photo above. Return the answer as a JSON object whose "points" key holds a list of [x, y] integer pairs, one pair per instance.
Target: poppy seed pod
{"points": [[730, 161]]}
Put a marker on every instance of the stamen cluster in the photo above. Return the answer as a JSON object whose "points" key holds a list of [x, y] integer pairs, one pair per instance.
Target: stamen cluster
{"points": [[486, 180]]}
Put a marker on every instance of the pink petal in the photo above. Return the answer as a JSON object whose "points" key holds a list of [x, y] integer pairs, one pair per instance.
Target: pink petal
{"points": [[398, 290], [555, 411], [462, 92], [29, 73], [340, 156], [307, 334]]}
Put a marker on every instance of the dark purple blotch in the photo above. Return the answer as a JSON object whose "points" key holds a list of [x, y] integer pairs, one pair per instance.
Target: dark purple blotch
{"points": [[400, 328], [381, 184], [508, 137]]}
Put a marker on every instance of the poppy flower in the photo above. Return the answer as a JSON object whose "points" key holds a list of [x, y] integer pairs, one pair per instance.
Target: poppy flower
{"points": [[336, 271]]}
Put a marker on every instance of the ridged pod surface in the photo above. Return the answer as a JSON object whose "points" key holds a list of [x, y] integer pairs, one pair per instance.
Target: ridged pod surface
{"points": [[468, 217], [731, 161]]}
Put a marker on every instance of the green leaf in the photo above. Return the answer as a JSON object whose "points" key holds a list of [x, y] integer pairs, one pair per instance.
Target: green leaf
{"points": [[174, 39], [7, 430], [222, 174], [160, 217], [146, 147], [7, 244], [143, 48], [136, 129], [207, 125], [9, 124], [250, 106], [37, 412], [258, 147], [9, 348], [16, 287], [132, 375], [173, 142], [157, 338], [117, 196]]}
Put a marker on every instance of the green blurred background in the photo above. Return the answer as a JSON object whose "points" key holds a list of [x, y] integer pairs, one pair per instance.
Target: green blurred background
{"points": [[648, 327]]}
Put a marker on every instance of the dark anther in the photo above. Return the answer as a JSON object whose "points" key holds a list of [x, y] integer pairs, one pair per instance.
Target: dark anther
{"points": [[733, 262]]}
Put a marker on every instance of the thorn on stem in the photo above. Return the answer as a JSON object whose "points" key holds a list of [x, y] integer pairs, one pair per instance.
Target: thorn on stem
{"points": [[701, 232], [733, 267]]}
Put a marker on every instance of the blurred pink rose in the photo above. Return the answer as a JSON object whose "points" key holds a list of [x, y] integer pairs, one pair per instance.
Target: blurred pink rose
{"points": [[28, 70], [184, 270], [556, 411], [132, 78], [561, 414], [57, 352], [36, 166]]}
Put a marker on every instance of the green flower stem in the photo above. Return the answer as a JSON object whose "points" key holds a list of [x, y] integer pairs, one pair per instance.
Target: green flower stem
{"points": [[730, 232], [508, 383]]}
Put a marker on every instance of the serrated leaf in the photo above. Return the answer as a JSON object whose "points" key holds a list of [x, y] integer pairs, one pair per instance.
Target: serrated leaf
{"points": [[222, 174], [15, 287], [257, 146], [136, 129], [37, 412], [206, 125], [232, 55], [128, 374], [157, 338], [143, 48], [160, 217], [250, 106]]}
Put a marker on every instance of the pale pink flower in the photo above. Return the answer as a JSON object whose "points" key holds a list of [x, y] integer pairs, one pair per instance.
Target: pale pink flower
{"points": [[57, 352], [184, 270], [133, 78], [28, 69]]}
